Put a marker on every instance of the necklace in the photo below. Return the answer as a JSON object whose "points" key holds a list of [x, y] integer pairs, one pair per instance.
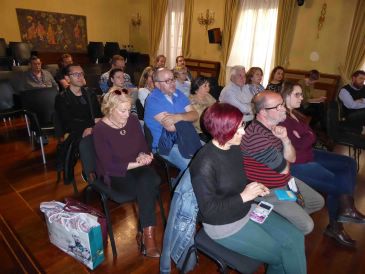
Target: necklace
{"points": [[122, 131]]}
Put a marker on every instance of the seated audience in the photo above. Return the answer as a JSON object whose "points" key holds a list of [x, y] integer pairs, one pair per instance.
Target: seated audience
{"points": [[329, 173], [123, 159], [267, 155], [37, 77], [66, 59], [145, 85], [180, 62], [116, 81], [165, 108], [182, 82], [254, 78], [352, 96], [200, 99], [311, 105], [77, 108], [276, 79], [226, 198], [237, 93], [160, 62], [117, 61]]}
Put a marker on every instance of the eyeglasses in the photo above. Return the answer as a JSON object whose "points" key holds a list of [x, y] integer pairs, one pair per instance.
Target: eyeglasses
{"points": [[167, 81], [77, 74], [298, 94], [119, 92], [277, 107]]}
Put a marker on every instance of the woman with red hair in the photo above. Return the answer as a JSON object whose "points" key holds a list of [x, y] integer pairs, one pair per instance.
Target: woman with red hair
{"points": [[226, 199]]}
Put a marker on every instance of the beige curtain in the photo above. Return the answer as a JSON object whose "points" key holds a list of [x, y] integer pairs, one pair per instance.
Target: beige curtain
{"points": [[188, 21], [231, 12], [287, 16], [158, 10], [356, 48]]}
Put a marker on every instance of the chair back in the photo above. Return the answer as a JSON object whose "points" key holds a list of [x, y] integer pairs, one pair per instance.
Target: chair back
{"points": [[148, 136], [95, 51], [332, 119], [2, 47], [87, 155], [110, 49], [52, 69], [40, 101], [20, 51], [140, 109], [6, 95]]}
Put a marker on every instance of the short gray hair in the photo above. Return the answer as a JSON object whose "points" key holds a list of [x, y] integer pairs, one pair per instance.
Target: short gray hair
{"points": [[234, 70]]}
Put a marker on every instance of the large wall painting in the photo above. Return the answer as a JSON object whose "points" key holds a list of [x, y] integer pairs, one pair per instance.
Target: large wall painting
{"points": [[53, 32]]}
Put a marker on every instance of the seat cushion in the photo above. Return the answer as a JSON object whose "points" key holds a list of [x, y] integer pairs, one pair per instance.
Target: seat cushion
{"points": [[234, 260]]}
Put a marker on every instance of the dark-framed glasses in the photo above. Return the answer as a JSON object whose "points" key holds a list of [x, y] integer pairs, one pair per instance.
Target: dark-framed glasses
{"points": [[77, 74], [277, 107], [167, 81], [120, 91]]}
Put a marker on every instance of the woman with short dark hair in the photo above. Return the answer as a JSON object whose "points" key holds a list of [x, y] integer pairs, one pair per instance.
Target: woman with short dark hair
{"points": [[225, 198]]}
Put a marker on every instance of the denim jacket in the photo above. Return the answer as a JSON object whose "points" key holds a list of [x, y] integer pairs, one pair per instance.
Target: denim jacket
{"points": [[180, 229]]}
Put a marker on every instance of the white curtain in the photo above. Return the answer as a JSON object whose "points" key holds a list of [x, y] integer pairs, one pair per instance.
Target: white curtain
{"points": [[171, 40], [254, 40]]}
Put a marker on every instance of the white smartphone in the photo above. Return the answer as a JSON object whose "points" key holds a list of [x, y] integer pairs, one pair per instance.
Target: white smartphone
{"points": [[261, 212]]}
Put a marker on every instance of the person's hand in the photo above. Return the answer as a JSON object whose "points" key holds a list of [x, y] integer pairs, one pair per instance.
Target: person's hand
{"points": [[279, 132], [170, 119], [253, 190], [87, 131], [144, 159]]}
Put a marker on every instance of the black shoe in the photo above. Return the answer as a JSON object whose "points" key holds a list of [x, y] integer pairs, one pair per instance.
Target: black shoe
{"points": [[340, 236]]}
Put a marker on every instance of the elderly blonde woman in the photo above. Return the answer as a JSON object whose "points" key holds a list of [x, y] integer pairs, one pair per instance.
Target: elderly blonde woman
{"points": [[123, 159]]}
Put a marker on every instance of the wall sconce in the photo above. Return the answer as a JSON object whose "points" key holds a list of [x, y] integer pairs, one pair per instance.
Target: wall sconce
{"points": [[208, 20], [136, 20]]}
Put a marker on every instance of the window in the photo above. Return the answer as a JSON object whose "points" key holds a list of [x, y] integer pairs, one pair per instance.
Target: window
{"points": [[254, 41], [171, 41]]}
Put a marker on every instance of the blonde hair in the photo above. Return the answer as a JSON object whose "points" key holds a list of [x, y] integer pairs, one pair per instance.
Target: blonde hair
{"points": [[144, 77], [113, 98]]}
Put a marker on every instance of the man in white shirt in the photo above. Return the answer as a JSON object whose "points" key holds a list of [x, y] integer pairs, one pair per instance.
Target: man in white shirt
{"points": [[237, 94], [352, 96]]}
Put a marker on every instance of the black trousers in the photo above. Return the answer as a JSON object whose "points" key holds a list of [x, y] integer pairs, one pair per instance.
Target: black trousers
{"points": [[142, 183], [356, 118]]}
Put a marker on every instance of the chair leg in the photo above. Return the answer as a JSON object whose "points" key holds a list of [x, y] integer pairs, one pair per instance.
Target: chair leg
{"points": [[42, 150], [27, 123], [104, 200], [162, 209], [187, 257]]}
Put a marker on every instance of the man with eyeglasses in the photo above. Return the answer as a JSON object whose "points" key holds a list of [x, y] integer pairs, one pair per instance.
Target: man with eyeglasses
{"points": [[267, 154], [77, 108], [237, 94], [164, 108]]}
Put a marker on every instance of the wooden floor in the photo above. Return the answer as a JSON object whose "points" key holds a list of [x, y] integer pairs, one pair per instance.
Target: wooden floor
{"points": [[24, 246]]}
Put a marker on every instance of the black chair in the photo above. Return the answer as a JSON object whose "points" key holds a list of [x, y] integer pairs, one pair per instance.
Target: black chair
{"points": [[87, 156], [52, 68], [110, 49], [222, 256], [95, 51], [5, 61], [167, 165], [21, 52], [8, 106], [140, 109], [38, 105], [342, 133]]}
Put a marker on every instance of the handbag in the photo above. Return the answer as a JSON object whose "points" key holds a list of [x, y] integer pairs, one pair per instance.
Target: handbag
{"points": [[73, 205]]}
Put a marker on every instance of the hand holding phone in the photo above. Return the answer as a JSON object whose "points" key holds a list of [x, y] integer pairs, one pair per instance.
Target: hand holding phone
{"points": [[261, 212]]}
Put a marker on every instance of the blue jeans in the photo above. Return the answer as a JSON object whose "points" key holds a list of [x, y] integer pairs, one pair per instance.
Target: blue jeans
{"points": [[176, 158], [329, 173], [275, 242]]}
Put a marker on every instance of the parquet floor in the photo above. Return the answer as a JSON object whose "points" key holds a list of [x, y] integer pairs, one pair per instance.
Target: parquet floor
{"points": [[24, 244]]}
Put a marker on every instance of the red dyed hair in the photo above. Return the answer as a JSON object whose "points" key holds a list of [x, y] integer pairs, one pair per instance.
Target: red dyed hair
{"points": [[222, 120]]}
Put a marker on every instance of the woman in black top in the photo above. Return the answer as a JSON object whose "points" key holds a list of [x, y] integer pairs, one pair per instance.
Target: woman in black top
{"points": [[276, 79], [225, 198]]}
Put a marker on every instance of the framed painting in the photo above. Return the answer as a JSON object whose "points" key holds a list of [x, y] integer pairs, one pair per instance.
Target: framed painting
{"points": [[53, 32]]}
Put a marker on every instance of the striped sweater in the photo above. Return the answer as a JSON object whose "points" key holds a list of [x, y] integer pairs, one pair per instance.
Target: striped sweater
{"points": [[263, 157]]}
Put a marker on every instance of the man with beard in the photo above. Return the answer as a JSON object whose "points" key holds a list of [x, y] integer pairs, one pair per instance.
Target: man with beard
{"points": [[267, 154], [352, 97]]}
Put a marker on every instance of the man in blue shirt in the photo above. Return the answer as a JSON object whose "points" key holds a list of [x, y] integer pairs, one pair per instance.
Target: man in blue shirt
{"points": [[164, 107]]}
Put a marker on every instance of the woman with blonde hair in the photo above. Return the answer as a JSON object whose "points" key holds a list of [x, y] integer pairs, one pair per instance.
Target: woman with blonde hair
{"points": [[145, 85], [122, 162]]}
